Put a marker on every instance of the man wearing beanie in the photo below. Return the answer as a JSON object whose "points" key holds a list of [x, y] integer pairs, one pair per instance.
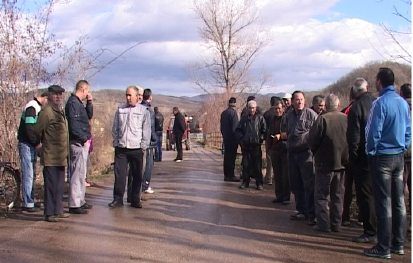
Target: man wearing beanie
{"points": [[229, 121]]}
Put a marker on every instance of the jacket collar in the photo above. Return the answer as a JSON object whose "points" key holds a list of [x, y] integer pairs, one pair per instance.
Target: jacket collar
{"points": [[387, 89]]}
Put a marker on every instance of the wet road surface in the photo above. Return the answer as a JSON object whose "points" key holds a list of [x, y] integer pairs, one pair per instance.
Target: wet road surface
{"points": [[193, 216]]}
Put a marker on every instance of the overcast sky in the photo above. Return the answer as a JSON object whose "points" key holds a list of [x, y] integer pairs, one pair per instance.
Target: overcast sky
{"points": [[315, 42]]}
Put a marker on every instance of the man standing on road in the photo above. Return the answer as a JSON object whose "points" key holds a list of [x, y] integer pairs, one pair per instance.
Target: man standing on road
{"points": [[388, 135], [78, 116], [251, 132], [277, 149], [268, 116], [28, 146], [406, 93], [327, 141], [131, 133], [229, 122], [356, 139], [147, 173], [300, 159], [178, 130], [159, 132], [51, 128]]}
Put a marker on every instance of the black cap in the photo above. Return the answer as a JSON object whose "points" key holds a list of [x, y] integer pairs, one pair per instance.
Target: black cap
{"points": [[56, 89]]}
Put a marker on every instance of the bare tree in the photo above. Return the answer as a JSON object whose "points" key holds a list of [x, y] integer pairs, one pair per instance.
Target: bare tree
{"points": [[28, 56], [26, 44], [232, 42], [401, 52]]}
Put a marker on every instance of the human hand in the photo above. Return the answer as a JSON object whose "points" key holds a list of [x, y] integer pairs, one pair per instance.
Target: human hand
{"points": [[89, 97]]}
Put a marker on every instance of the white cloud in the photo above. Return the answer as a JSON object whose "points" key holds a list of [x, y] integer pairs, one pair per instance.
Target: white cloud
{"points": [[306, 53]]}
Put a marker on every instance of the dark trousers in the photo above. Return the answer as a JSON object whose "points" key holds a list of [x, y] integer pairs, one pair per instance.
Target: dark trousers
{"points": [[252, 165], [178, 142], [407, 179], [230, 155], [365, 200], [301, 174], [328, 194], [348, 193], [123, 157], [281, 180], [147, 174], [158, 148], [54, 184], [388, 189]]}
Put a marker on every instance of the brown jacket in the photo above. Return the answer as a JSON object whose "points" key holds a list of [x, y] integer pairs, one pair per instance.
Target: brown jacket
{"points": [[327, 141], [52, 129]]}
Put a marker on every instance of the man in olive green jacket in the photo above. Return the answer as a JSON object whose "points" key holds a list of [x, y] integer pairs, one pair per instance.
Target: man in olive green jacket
{"points": [[52, 130]]}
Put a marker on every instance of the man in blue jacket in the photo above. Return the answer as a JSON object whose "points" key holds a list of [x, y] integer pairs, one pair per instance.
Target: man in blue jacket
{"points": [[78, 116], [388, 135]]}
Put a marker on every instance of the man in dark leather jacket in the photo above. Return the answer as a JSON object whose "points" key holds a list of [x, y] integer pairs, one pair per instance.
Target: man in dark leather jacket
{"points": [[159, 131], [356, 139], [251, 132], [229, 122]]}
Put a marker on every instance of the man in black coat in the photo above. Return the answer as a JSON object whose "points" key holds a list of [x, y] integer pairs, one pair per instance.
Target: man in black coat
{"points": [[356, 139], [178, 130], [251, 132], [229, 122]]}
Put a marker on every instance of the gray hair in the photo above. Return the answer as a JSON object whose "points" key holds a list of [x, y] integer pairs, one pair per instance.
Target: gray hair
{"points": [[252, 103], [360, 84], [332, 102], [137, 89]]}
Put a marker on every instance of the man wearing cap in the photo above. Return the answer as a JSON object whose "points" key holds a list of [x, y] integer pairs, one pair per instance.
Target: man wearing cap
{"points": [[52, 131], [356, 139], [78, 116], [229, 122], [287, 101], [251, 132], [245, 110], [28, 144], [131, 133]]}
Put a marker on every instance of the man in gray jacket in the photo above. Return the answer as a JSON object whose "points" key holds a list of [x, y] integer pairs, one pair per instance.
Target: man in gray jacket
{"points": [[297, 125], [131, 133]]}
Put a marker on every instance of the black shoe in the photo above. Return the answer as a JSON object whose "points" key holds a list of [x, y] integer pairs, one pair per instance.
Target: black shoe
{"points": [[312, 222], [231, 179], [115, 204], [78, 210], [136, 205], [260, 187], [86, 206], [31, 209], [277, 200], [51, 219], [243, 186]]}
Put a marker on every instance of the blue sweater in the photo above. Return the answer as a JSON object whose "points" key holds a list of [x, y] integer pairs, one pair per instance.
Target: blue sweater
{"points": [[388, 130]]}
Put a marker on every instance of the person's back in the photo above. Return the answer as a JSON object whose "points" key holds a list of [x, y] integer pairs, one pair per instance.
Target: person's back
{"points": [[229, 121], [357, 120], [392, 111], [159, 119]]}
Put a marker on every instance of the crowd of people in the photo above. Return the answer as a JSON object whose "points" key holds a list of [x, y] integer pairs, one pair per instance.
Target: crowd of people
{"points": [[316, 153]]}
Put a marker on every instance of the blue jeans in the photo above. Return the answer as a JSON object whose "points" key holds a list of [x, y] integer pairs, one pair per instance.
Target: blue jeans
{"points": [[147, 174], [388, 190], [158, 149], [28, 158]]}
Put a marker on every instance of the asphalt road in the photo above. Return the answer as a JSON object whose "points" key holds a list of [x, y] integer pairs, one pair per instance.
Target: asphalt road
{"points": [[193, 216]]}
